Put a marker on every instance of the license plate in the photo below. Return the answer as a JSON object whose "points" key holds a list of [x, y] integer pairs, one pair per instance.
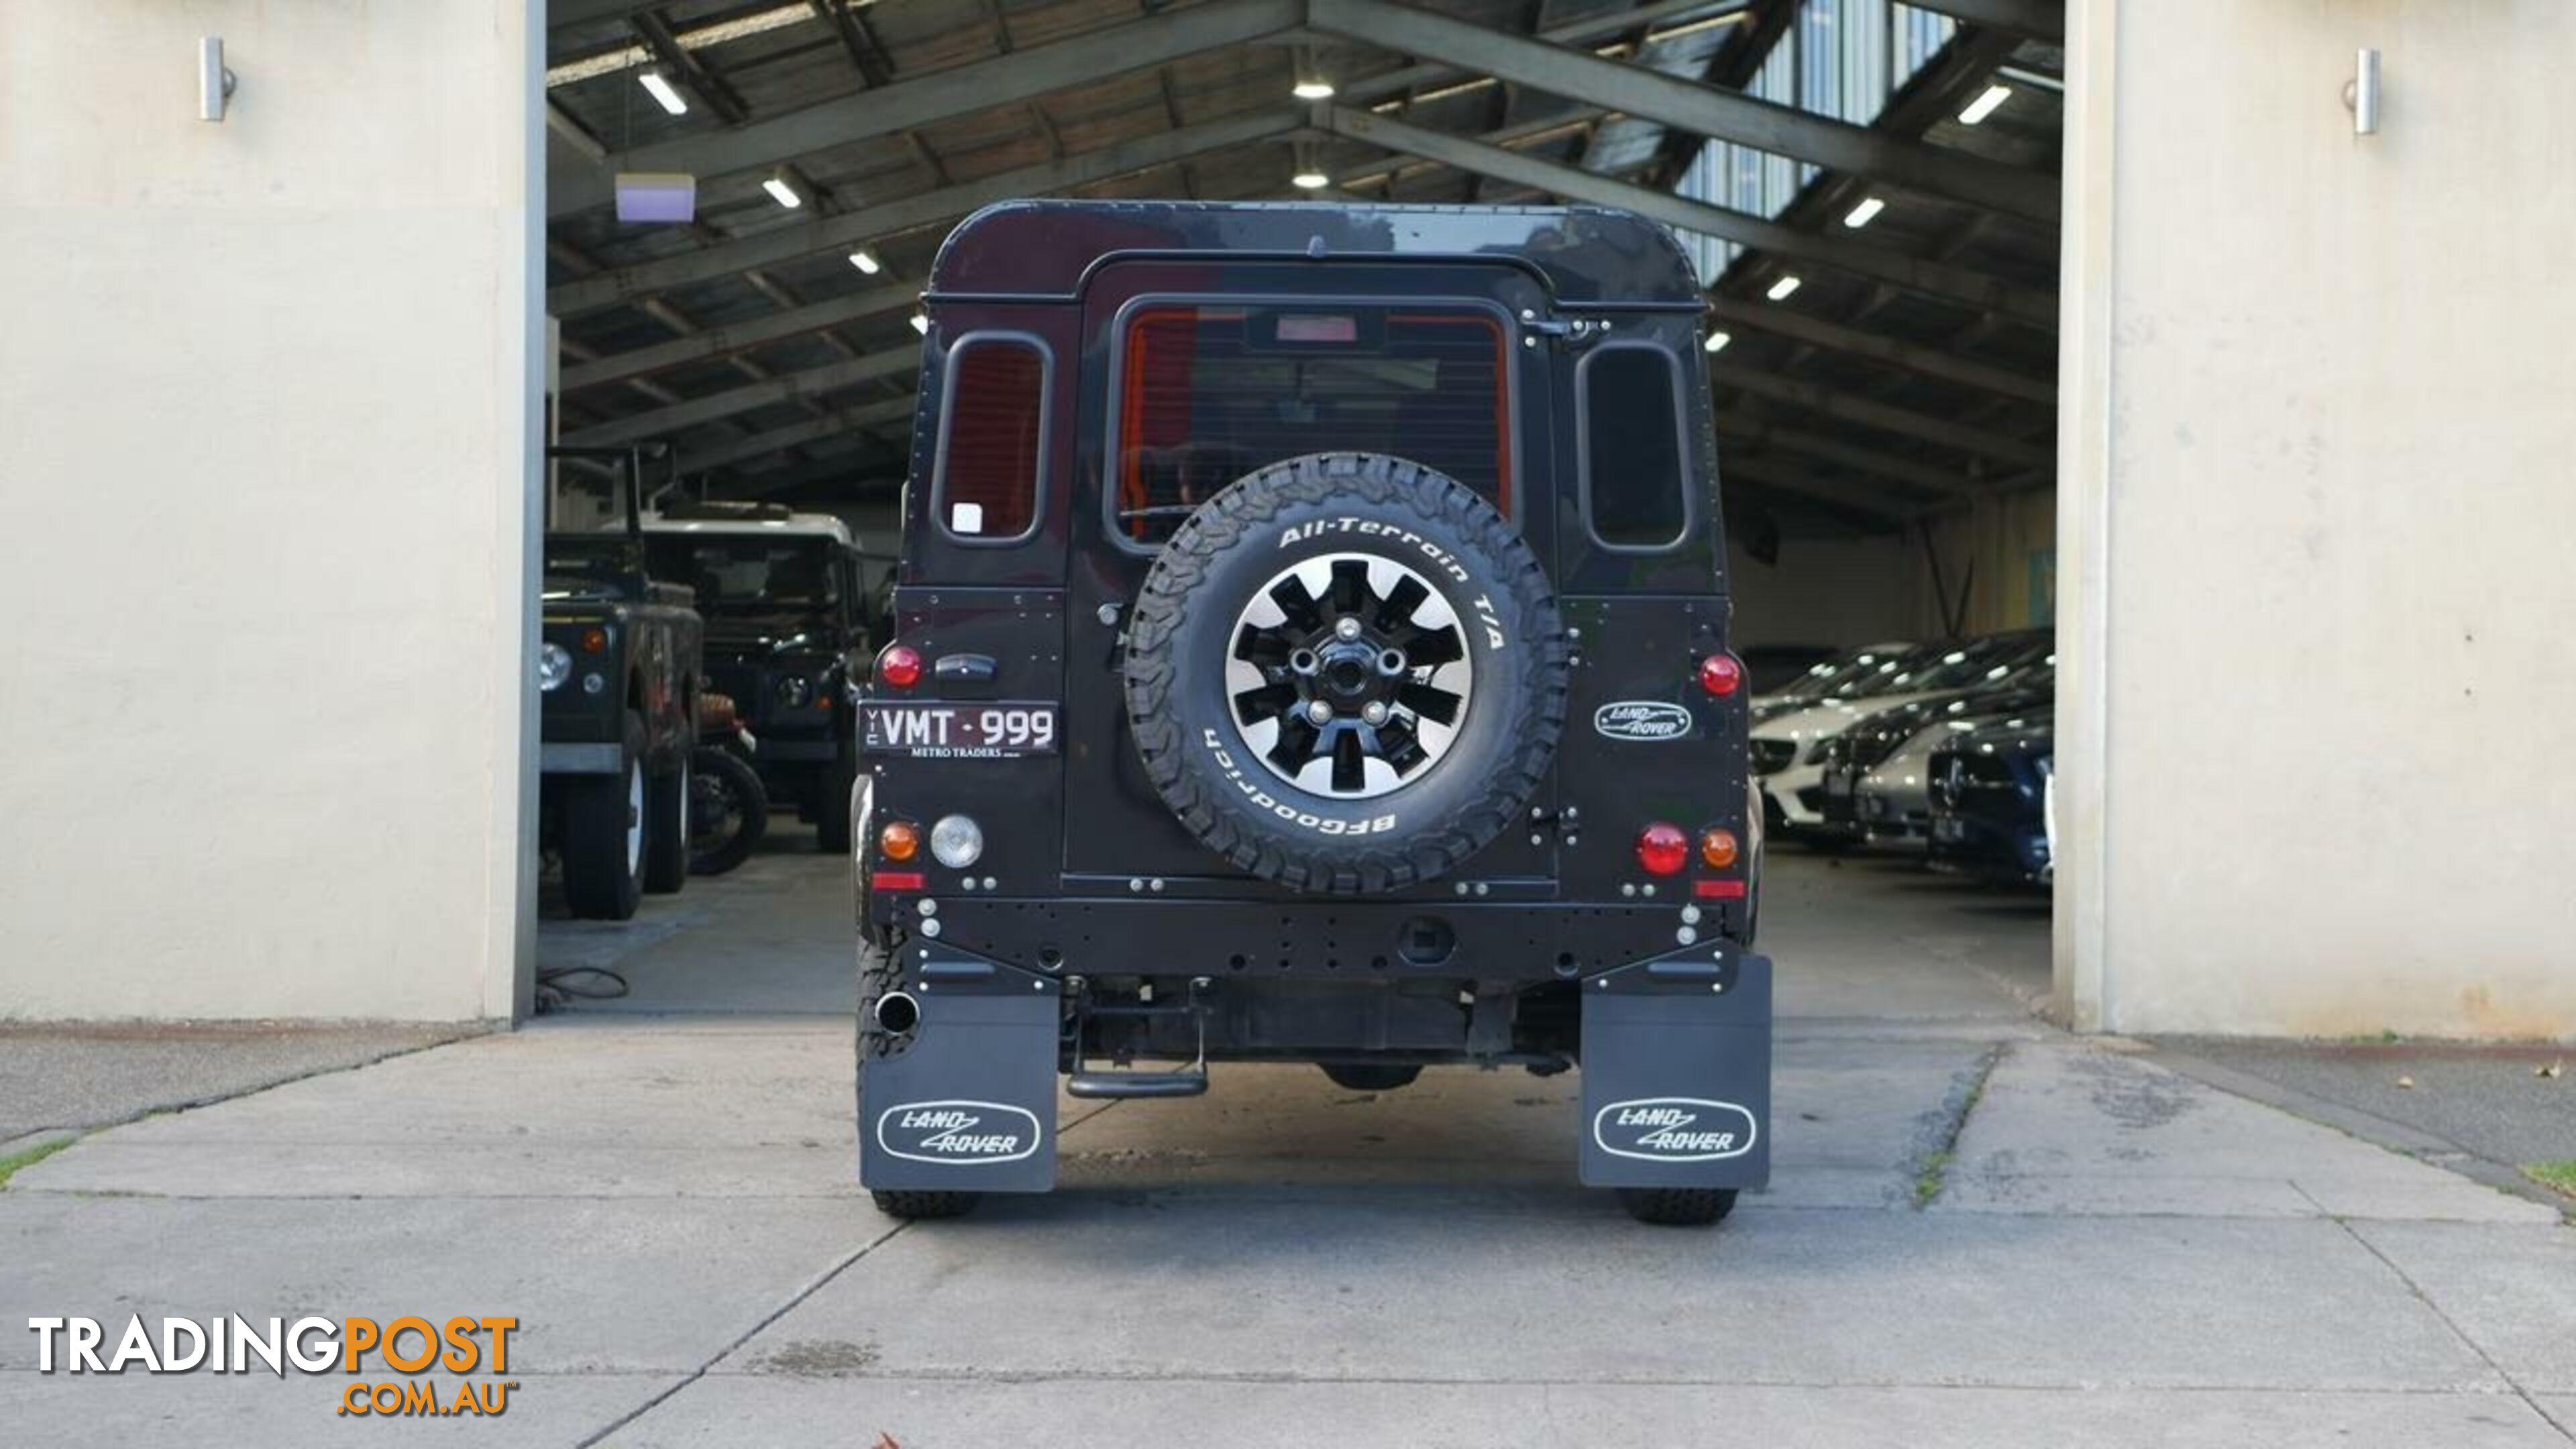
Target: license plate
{"points": [[1838, 785], [1949, 827], [985, 731]]}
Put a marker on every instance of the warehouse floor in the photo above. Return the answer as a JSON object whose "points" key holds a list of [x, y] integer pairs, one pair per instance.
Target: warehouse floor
{"points": [[1973, 1217]]}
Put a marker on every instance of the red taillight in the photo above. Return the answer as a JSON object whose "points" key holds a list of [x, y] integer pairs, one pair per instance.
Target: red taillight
{"points": [[900, 667], [1662, 849], [1720, 675]]}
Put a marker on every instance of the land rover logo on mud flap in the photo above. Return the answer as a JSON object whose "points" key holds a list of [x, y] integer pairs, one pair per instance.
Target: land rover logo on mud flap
{"points": [[1675, 1129], [958, 1133], [1641, 719]]}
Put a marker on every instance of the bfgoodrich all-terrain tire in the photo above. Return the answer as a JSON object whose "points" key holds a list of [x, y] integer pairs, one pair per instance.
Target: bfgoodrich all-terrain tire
{"points": [[603, 835], [1346, 673], [876, 978]]}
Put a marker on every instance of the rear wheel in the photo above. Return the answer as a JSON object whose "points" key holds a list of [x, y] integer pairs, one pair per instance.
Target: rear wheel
{"points": [[728, 812], [1678, 1207], [921, 1206], [666, 830], [603, 835], [1370, 1077]]}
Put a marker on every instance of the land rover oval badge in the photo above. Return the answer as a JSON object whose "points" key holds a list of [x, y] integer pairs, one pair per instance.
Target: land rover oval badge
{"points": [[958, 1133], [1641, 719], [1674, 1129]]}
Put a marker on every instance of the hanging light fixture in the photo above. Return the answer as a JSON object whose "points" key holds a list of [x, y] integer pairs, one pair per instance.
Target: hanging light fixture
{"points": [[1309, 175], [1312, 84]]}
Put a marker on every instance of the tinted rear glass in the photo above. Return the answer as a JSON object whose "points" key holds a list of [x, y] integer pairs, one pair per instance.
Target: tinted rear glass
{"points": [[1632, 447], [1209, 394]]}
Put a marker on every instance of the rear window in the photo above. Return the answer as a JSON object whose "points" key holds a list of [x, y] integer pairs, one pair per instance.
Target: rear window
{"points": [[1210, 393], [992, 439], [1633, 475]]}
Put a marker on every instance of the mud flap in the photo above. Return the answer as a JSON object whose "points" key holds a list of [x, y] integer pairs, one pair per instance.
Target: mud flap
{"points": [[1677, 1071], [966, 1100]]}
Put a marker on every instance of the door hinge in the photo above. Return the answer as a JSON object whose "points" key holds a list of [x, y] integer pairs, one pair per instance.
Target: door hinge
{"points": [[1564, 331]]}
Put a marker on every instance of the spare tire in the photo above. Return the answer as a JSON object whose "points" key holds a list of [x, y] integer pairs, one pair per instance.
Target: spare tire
{"points": [[1346, 673]]}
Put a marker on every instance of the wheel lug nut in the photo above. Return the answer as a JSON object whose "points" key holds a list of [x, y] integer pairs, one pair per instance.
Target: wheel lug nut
{"points": [[1374, 711], [1319, 712], [1346, 628]]}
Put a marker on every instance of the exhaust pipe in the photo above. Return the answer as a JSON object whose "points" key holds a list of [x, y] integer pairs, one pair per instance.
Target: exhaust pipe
{"points": [[897, 1013]]}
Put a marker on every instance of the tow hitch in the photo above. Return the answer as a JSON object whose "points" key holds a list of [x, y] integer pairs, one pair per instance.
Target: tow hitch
{"points": [[1189, 1081]]}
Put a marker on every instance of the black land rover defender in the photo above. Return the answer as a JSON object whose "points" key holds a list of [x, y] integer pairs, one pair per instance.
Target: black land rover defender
{"points": [[786, 614], [1309, 644], [617, 676]]}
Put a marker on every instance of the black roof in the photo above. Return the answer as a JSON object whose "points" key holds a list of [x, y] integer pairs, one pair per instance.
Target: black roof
{"points": [[1586, 255]]}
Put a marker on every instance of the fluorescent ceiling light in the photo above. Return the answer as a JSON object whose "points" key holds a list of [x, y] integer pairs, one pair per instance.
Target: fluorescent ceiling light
{"points": [[1717, 342], [665, 93], [1984, 105], [782, 191], [1865, 213], [1781, 289], [1311, 180], [921, 323], [1314, 88], [865, 261]]}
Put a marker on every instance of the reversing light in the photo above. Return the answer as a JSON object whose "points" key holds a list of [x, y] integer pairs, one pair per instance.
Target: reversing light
{"points": [[1717, 848], [957, 841], [1720, 674], [900, 666], [899, 840], [1662, 848]]}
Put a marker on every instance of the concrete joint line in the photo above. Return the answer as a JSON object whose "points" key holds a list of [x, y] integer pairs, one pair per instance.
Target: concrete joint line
{"points": [[1931, 1170], [746, 1336], [2502, 1374]]}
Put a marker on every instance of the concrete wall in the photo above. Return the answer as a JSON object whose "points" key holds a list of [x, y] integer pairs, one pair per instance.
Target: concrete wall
{"points": [[2314, 750], [266, 430]]}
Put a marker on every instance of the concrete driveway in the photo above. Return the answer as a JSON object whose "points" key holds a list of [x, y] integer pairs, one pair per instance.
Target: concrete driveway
{"points": [[1981, 1232]]}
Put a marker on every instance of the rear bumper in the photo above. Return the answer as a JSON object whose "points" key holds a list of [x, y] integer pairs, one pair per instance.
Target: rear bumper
{"points": [[1676, 1075], [1489, 938]]}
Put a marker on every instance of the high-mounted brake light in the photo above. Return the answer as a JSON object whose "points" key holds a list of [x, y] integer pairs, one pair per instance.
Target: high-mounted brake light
{"points": [[899, 840], [900, 666], [1662, 848], [1720, 675]]}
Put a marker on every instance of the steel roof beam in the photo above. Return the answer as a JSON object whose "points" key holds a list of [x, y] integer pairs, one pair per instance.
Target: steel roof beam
{"points": [[1858, 498], [831, 424], [786, 387], [738, 336], [1701, 109], [1936, 279], [1737, 426], [1914, 357], [908, 213], [942, 95], [2044, 19], [1817, 398]]}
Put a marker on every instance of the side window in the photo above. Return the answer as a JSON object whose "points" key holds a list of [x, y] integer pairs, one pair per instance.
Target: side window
{"points": [[992, 443], [1635, 479]]}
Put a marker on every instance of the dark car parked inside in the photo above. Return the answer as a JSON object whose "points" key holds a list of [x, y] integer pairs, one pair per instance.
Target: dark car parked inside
{"points": [[1993, 801], [618, 662], [1309, 644], [786, 631]]}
